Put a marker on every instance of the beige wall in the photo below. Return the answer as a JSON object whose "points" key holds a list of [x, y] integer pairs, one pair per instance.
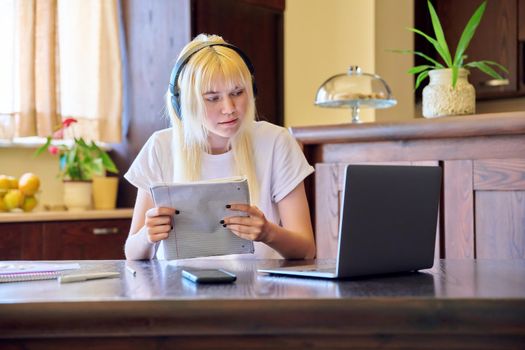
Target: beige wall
{"points": [[324, 37], [392, 17]]}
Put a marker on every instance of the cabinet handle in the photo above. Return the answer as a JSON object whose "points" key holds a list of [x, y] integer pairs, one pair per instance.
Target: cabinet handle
{"points": [[495, 82], [105, 231]]}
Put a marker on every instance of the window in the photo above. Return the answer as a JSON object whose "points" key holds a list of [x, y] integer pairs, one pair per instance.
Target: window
{"points": [[60, 59]]}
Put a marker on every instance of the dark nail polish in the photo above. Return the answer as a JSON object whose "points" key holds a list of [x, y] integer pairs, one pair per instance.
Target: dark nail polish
{"points": [[228, 206], [224, 225], [172, 227], [222, 221], [177, 212]]}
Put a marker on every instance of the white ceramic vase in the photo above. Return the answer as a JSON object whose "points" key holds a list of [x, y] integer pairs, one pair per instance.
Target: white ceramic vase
{"points": [[77, 195], [441, 99]]}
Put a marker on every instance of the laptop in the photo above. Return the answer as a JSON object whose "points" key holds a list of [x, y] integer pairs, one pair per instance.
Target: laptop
{"points": [[387, 223]]}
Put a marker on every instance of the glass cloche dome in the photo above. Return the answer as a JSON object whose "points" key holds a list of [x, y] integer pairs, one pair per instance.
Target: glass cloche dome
{"points": [[354, 90]]}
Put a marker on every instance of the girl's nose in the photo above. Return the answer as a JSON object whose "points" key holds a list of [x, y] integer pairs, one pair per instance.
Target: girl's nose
{"points": [[228, 107]]}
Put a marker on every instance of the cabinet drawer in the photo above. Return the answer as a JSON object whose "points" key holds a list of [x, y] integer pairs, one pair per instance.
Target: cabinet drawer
{"points": [[20, 241], [87, 239]]}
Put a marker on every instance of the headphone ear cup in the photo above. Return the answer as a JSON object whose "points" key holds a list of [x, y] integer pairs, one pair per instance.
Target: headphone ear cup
{"points": [[176, 105]]}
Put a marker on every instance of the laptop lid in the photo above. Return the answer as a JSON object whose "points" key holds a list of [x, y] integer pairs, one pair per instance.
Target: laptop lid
{"points": [[388, 219], [387, 224]]}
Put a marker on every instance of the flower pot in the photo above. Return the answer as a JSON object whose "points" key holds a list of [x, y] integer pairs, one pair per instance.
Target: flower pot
{"points": [[441, 99], [77, 195], [105, 192]]}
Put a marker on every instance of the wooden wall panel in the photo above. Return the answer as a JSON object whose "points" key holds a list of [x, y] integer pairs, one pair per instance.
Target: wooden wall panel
{"points": [[155, 33], [496, 210], [327, 185], [423, 149], [499, 174], [458, 209]]}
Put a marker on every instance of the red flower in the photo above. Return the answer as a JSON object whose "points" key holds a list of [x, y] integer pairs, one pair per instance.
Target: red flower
{"points": [[68, 121], [53, 150], [59, 134]]}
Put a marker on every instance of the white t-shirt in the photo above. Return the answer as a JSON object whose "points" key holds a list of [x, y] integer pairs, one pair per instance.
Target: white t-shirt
{"points": [[279, 163]]}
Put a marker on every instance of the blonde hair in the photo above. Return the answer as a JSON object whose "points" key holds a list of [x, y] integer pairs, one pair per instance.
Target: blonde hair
{"points": [[190, 134]]}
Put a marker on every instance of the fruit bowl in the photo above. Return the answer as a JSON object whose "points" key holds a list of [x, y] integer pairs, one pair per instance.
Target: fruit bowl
{"points": [[19, 194]]}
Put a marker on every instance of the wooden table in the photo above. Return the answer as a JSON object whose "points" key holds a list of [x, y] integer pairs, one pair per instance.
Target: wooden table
{"points": [[478, 304]]}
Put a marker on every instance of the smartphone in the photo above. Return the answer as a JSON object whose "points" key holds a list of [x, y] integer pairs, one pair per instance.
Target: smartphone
{"points": [[208, 275]]}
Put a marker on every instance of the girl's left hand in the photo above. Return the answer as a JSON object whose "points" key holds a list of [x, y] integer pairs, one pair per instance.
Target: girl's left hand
{"points": [[253, 227]]}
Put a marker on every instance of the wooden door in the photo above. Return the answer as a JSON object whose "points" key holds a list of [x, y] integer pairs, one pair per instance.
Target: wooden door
{"points": [[256, 27]]}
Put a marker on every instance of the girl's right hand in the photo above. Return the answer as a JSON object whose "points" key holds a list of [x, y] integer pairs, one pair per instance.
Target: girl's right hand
{"points": [[158, 223]]}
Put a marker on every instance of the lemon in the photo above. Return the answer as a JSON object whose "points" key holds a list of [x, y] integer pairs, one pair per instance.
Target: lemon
{"points": [[13, 199], [13, 182], [29, 204], [4, 183], [28, 184]]}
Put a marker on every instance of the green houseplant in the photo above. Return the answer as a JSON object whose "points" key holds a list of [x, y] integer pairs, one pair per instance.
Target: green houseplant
{"points": [[82, 166], [444, 75], [79, 161]]}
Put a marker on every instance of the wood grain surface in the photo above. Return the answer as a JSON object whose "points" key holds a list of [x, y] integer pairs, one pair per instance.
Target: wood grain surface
{"points": [[456, 304]]}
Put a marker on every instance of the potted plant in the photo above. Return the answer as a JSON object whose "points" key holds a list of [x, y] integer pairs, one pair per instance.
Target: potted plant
{"points": [[79, 163], [449, 92]]}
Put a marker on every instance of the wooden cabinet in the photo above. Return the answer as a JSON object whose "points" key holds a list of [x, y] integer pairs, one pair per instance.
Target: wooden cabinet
{"points": [[64, 240], [482, 211], [499, 38]]}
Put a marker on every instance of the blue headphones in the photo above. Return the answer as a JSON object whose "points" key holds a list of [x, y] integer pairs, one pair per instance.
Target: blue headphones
{"points": [[181, 62]]}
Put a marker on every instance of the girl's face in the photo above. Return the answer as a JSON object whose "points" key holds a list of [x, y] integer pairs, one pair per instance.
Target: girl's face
{"points": [[225, 109]]}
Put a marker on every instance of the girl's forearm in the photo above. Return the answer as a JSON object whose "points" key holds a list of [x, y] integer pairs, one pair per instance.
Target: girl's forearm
{"points": [[290, 244], [138, 246]]}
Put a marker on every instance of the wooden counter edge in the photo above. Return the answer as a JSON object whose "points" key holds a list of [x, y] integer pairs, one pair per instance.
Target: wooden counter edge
{"points": [[123, 213], [353, 316], [509, 123]]}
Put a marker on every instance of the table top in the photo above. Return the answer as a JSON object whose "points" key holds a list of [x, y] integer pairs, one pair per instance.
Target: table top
{"points": [[162, 280]]}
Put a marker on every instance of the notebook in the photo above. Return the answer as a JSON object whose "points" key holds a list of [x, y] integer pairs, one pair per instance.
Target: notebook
{"points": [[32, 271], [197, 230], [387, 222]]}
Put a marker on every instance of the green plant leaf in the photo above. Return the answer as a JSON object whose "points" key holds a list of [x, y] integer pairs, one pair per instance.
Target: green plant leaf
{"points": [[454, 76], [422, 76], [468, 33], [430, 59], [440, 36], [503, 68], [43, 147], [485, 68], [419, 69], [440, 50]]}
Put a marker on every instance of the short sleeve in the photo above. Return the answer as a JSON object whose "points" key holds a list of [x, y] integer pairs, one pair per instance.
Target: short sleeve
{"points": [[146, 168], [290, 166]]}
